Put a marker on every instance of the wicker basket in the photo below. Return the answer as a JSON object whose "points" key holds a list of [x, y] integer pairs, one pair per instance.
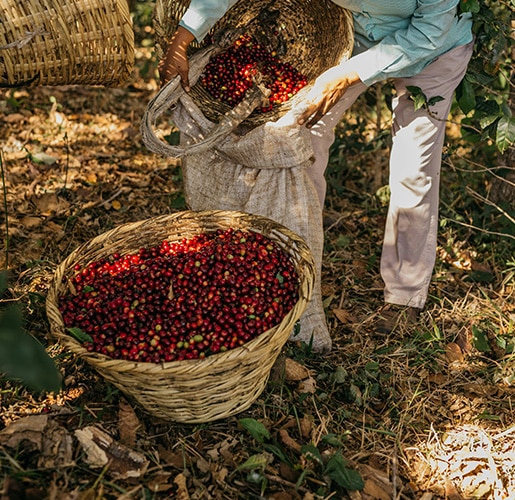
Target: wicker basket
{"points": [[51, 42], [192, 391], [310, 35]]}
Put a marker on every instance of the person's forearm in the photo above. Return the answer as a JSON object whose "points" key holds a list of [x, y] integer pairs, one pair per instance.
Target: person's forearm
{"points": [[175, 60]]}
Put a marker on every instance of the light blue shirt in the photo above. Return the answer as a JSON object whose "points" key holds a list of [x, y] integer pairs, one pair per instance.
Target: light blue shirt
{"points": [[393, 38]]}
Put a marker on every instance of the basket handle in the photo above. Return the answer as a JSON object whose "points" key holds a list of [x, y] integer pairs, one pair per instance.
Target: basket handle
{"points": [[172, 92]]}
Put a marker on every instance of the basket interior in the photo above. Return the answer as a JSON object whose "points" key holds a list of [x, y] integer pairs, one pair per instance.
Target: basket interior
{"points": [[312, 36]]}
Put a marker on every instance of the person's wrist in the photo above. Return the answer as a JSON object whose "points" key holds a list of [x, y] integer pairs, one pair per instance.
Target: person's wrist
{"points": [[181, 38]]}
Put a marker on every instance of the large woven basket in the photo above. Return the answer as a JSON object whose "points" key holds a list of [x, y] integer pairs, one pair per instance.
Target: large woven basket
{"points": [[310, 35], [190, 391], [55, 42]]}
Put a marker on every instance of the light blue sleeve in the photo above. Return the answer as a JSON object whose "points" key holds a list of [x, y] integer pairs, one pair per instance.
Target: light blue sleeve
{"points": [[203, 14], [434, 29]]}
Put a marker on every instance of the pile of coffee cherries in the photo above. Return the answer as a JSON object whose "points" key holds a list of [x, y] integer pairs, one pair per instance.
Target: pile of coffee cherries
{"points": [[180, 300], [229, 75]]}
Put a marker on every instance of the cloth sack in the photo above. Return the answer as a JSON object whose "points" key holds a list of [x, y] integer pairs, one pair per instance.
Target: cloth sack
{"points": [[263, 172]]}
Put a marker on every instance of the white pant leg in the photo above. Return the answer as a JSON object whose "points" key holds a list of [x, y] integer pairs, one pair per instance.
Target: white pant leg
{"points": [[322, 137], [409, 247]]}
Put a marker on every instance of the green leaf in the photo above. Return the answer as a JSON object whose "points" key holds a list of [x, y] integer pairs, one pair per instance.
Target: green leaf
{"points": [[272, 448], [259, 461], [178, 201], [23, 358], [417, 96], [345, 477], [311, 452], [480, 340], [466, 96], [470, 6], [340, 375], [433, 100], [173, 138], [80, 335], [256, 429], [3, 283], [505, 136], [332, 439], [372, 366], [487, 120], [343, 241]]}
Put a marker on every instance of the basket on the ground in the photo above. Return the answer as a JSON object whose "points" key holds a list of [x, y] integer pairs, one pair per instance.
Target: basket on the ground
{"points": [[312, 36], [199, 390], [52, 42]]}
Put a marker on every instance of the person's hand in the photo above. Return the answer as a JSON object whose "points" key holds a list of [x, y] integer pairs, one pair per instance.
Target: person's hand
{"points": [[327, 90], [175, 61]]}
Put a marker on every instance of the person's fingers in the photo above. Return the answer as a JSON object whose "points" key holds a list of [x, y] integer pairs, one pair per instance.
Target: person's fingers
{"points": [[314, 118], [184, 72], [166, 70], [306, 114], [319, 106], [313, 111], [169, 70]]}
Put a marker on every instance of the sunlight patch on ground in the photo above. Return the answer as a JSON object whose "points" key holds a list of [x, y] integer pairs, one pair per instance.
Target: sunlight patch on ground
{"points": [[466, 462]]}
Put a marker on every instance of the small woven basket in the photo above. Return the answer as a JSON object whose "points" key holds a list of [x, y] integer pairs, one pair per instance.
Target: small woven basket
{"points": [[312, 36], [51, 42], [200, 390]]}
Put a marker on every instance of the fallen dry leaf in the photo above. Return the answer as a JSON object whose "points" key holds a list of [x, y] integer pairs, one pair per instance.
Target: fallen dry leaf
{"points": [[375, 491], [307, 386], [101, 450], [182, 487], [57, 447], [295, 372], [288, 472], [49, 203], [437, 378], [306, 427], [30, 428], [30, 222], [41, 434], [13, 118], [128, 424], [281, 495], [343, 316], [289, 441], [159, 482], [220, 474], [453, 353]]}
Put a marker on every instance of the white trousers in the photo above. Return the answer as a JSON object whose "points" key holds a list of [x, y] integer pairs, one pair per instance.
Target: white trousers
{"points": [[409, 245]]}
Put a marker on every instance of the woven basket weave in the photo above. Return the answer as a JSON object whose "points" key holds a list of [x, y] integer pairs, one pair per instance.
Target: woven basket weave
{"points": [[312, 36], [53, 42], [190, 391]]}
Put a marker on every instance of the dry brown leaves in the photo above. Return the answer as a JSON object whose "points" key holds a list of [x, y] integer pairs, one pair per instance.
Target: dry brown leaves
{"points": [[421, 414]]}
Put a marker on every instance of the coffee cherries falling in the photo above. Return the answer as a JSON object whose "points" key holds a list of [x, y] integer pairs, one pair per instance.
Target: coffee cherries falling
{"points": [[229, 75]]}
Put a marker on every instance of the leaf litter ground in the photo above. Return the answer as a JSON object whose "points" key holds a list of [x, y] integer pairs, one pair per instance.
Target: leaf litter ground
{"points": [[425, 413]]}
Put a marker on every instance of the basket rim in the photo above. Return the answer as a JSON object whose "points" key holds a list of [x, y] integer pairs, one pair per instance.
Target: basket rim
{"points": [[58, 329]]}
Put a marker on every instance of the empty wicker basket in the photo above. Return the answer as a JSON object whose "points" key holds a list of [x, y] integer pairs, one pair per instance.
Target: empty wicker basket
{"points": [[190, 391], [88, 42]]}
